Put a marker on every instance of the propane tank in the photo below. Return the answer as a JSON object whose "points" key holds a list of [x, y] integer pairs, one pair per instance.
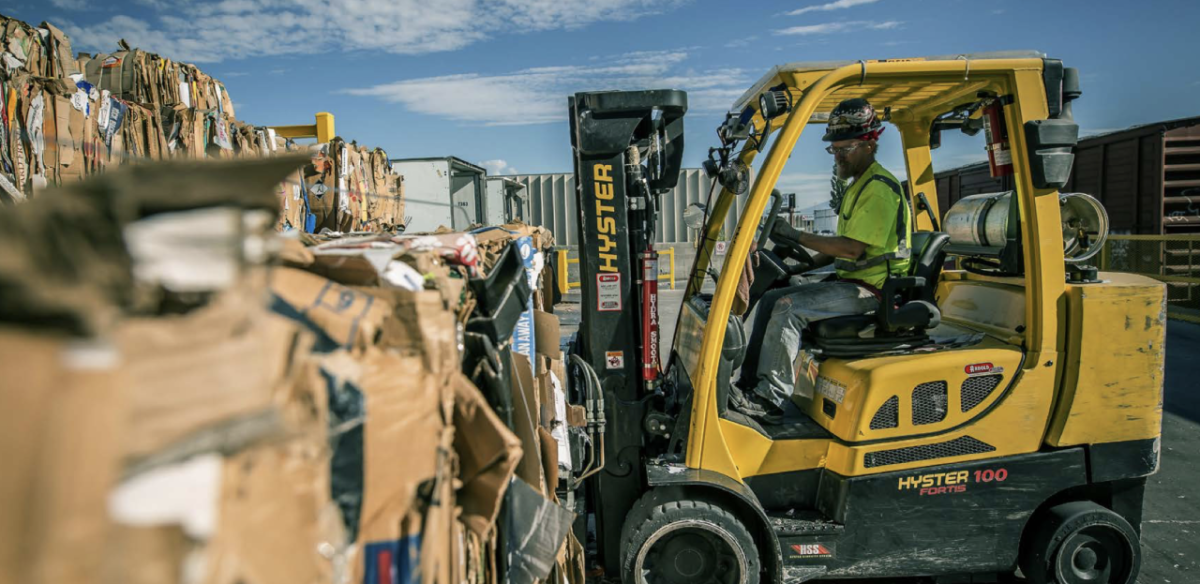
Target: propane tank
{"points": [[979, 220], [999, 148]]}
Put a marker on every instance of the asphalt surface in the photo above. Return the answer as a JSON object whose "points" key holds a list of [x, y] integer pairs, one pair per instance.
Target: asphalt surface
{"points": [[1171, 519]]}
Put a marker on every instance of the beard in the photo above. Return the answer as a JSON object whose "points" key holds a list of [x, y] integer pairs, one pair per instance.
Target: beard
{"points": [[844, 170]]}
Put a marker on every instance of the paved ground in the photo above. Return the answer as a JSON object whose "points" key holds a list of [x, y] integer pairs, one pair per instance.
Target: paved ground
{"points": [[1171, 525]]}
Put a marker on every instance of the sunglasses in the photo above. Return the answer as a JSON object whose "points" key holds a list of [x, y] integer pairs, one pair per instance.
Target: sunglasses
{"points": [[843, 150]]}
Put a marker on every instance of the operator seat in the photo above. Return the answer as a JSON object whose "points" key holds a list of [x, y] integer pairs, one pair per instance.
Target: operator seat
{"points": [[908, 308]]}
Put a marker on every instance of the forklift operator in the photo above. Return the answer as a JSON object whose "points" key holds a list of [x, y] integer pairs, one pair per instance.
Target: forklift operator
{"points": [[871, 242]]}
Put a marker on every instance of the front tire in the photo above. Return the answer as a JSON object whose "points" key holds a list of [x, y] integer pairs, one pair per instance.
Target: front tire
{"points": [[686, 541], [1081, 543]]}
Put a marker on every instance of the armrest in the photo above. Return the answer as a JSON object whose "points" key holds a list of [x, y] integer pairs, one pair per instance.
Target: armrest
{"points": [[891, 287], [895, 284]]}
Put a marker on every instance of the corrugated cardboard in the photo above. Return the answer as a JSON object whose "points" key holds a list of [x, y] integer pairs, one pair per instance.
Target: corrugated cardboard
{"points": [[145, 555], [421, 324], [402, 427], [211, 379], [488, 454], [346, 317], [526, 413], [549, 461], [536, 531], [547, 334], [62, 406], [275, 517]]}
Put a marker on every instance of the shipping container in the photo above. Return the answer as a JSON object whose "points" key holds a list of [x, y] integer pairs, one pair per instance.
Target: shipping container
{"points": [[447, 191], [507, 201], [1147, 176]]}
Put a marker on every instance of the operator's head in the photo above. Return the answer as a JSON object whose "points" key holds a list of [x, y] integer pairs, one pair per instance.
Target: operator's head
{"points": [[853, 131]]}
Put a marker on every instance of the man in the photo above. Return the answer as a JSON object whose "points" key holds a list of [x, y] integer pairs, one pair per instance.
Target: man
{"points": [[874, 227]]}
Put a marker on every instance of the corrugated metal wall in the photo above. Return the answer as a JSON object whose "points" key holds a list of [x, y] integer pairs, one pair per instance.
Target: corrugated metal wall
{"points": [[552, 198]]}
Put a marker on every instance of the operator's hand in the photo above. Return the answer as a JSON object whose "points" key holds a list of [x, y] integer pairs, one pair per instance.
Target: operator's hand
{"points": [[788, 234]]}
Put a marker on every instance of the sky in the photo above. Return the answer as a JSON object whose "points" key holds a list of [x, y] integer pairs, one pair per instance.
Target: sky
{"points": [[487, 80]]}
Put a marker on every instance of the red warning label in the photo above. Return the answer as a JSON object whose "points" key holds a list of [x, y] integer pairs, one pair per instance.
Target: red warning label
{"points": [[608, 292]]}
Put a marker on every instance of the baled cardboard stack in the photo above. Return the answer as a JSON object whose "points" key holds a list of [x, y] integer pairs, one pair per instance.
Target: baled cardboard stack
{"points": [[184, 408], [346, 188], [64, 118]]}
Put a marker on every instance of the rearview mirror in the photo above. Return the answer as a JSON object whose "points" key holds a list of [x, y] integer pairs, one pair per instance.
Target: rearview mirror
{"points": [[693, 216]]}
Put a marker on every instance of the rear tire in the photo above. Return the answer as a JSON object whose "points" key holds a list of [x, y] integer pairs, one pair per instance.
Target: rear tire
{"points": [[685, 541], [1081, 543]]}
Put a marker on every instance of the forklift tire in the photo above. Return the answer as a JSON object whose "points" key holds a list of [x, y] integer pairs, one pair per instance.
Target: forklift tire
{"points": [[672, 541], [1081, 542]]}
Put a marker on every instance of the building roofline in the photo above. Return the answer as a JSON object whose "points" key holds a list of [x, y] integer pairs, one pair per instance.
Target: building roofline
{"points": [[450, 159]]}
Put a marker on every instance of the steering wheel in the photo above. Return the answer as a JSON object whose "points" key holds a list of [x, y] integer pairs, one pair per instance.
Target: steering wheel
{"points": [[788, 249]]}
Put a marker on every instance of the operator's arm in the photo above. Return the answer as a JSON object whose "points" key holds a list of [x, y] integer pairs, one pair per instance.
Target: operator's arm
{"points": [[835, 246], [827, 247]]}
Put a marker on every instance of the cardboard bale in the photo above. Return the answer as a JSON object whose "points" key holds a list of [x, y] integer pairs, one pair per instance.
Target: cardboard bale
{"points": [[152, 554], [344, 317], [488, 453], [141, 77], [62, 406], [537, 530], [262, 515], [404, 444], [275, 517], [218, 378], [526, 413], [66, 263]]}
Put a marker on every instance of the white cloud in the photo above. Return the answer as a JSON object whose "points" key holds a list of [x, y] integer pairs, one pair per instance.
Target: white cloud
{"points": [[497, 167], [70, 4], [839, 27], [743, 42], [539, 95], [837, 5], [233, 29]]}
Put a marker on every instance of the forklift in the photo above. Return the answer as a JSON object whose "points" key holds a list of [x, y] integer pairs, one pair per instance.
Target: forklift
{"points": [[998, 414]]}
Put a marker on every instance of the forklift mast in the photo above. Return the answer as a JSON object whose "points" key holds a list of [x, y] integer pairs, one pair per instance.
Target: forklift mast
{"points": [[628, 148]]}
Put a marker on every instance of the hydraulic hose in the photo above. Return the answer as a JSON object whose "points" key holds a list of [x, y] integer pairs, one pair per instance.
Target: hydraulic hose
{"points": [[594, 406]]}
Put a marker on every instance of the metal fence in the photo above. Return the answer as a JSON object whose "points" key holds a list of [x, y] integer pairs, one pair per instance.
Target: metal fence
{"points": [[1173, 259], [552, 203]]}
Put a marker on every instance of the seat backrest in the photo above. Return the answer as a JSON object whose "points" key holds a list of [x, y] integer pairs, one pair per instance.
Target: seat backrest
{"points": [[928, 257]]}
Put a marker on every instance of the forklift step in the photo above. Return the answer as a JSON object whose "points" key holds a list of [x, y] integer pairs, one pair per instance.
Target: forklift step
{"points": [[803, 523], [798, 574]]}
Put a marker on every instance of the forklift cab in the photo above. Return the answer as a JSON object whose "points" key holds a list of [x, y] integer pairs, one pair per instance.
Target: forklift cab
{"points": [[946, 433]]}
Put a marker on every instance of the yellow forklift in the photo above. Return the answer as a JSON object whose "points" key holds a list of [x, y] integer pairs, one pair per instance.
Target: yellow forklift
{"points": [[1000, 415]]}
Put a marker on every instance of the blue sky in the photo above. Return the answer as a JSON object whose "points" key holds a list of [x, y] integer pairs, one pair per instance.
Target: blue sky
{"points": [[487, 80]]}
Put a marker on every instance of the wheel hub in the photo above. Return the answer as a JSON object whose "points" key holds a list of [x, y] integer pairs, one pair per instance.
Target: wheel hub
{"points": [[692, 552], [689, 563], [1085, 559], [1096, 554]]}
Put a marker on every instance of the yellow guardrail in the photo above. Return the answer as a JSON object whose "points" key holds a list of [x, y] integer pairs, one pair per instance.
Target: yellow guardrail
{"points": [[322, 130], [565, 284], [1172, 259]]}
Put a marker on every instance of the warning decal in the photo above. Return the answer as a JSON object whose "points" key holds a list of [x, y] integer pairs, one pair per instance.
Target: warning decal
{"points": [[608, 292], [614, 359]]}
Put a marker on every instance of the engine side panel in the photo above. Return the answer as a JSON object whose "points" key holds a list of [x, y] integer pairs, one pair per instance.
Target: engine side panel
{"points": [[1112, 384], [949, 519]]}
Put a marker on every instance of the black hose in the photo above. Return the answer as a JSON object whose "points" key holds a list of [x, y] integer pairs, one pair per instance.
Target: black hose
{"points": [[989, 268]]}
